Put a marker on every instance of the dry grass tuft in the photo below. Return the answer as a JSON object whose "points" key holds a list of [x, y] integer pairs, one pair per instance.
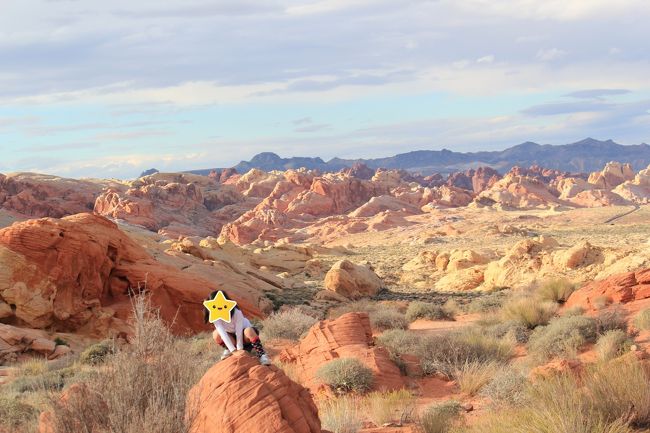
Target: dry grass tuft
{"points": [[385, 407], [288, 324], [473, 376], [341, 415], [529, 312]]}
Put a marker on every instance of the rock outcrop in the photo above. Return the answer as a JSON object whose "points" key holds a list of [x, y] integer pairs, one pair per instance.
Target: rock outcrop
{"points": [[14, 340], [77, 273], [619, 289], [240, 395], [351, 280], [612, 175], [349, 336]]}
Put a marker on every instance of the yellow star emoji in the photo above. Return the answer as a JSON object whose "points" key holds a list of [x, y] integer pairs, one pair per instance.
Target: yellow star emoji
{"points": [[220, 308]]}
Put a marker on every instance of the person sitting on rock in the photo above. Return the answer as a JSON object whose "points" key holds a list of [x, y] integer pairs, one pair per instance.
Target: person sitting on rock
{"points": [[239, 329]]}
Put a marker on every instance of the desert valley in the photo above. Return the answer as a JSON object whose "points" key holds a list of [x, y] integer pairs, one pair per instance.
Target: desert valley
{"points": [[478, 301]]}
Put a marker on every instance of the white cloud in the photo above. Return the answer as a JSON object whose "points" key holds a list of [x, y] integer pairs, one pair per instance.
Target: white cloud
{"points": [[550, 54], [485, 59]]}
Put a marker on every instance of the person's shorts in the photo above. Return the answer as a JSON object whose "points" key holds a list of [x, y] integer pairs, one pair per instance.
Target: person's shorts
{"points": [[247, 346]]}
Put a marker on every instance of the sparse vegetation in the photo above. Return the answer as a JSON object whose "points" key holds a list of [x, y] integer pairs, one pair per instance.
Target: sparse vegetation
{"points": [[611, 319], [97, 353], [555, 290], [507, 388], [472, 376], [288, 324], [362, 306], [439, 418], [383, 320], [529, 312], [642, 320], [425, 310], [15, 414], [510, 329], [346, 375], [562, 337], [341, 415], [487, 303], [612, 344], [384, 407]]}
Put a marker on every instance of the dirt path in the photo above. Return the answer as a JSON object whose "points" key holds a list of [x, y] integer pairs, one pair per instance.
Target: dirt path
{"points": [[437, 327], [621, 215]]}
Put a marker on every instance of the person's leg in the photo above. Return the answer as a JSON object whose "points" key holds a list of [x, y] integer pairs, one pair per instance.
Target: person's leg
{"points": [[217, 338], [250, 336]]}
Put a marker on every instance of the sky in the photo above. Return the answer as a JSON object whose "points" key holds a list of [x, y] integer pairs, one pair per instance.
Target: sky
{"points": [[108, 89]]}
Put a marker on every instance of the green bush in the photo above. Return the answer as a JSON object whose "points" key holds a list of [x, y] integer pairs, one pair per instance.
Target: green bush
{"points": [[642, 320], [383, 320], [439, 418], [425, 310], [529, 312], [556, 290], [345, 375], [97, 353], [562, 336], [60, 342], [507, 388], [612, 344], [289, 324]]}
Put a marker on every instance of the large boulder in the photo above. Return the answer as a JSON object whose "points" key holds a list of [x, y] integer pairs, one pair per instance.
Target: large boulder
{"points": [[351, 280], [349, 336], [77, 274], [612, 175], [240, 395], [619, 289]]}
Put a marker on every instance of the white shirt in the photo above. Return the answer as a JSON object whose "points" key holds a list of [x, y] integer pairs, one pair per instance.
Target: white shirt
{"points": [[236, 326]]}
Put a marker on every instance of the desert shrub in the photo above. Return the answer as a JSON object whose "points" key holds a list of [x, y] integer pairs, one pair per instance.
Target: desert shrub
{"points": [[398, 341], [608, 320], [601, 301], [341, 415], [346, 375], [290, 369], [439, 418], [620, 390], [452, 308], [384, 407], [31, 367], [48, 381], [555, 290], [574, 311], [60, 342], [506, 388], [383, 320], [362, 306], [487, 303], [472, 376], [562, 337], [425, 310], [97, 353], [289, 324], [642, 320], [445, 353], [612, 344], [143, 386], [529, 312], [510, 329], [15, 413]]}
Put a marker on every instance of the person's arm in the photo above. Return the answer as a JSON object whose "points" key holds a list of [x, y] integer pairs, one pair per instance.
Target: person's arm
{"points": [[238, 317], [224, 336]]}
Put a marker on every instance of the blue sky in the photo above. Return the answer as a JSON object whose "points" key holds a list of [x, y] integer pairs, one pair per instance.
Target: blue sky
{"points": [[107, 89]]}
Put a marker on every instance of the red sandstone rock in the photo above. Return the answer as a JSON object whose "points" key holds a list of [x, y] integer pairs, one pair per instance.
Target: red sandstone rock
{"points": [[239, 395], [76, 274], [620, 289], [349, 336]]}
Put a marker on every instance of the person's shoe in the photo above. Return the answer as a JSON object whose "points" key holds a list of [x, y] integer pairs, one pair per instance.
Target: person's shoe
{"points": [[226, 353], [264, 360]]}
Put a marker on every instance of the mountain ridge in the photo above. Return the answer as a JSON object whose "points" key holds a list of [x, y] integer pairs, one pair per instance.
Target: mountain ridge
{"points": [[582, 156]]}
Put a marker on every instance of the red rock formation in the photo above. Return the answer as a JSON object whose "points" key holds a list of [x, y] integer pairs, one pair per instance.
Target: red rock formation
{"points": [[239, 395], [349, 336], [76, 274], [620, 289], [38, 195], [360, 171]]}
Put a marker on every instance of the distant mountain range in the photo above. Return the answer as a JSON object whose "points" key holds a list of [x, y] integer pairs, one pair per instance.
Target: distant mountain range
{"points": [[584, 156]]}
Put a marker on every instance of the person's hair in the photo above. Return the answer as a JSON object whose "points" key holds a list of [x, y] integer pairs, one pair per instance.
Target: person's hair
{"points": [[206, 313]]}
